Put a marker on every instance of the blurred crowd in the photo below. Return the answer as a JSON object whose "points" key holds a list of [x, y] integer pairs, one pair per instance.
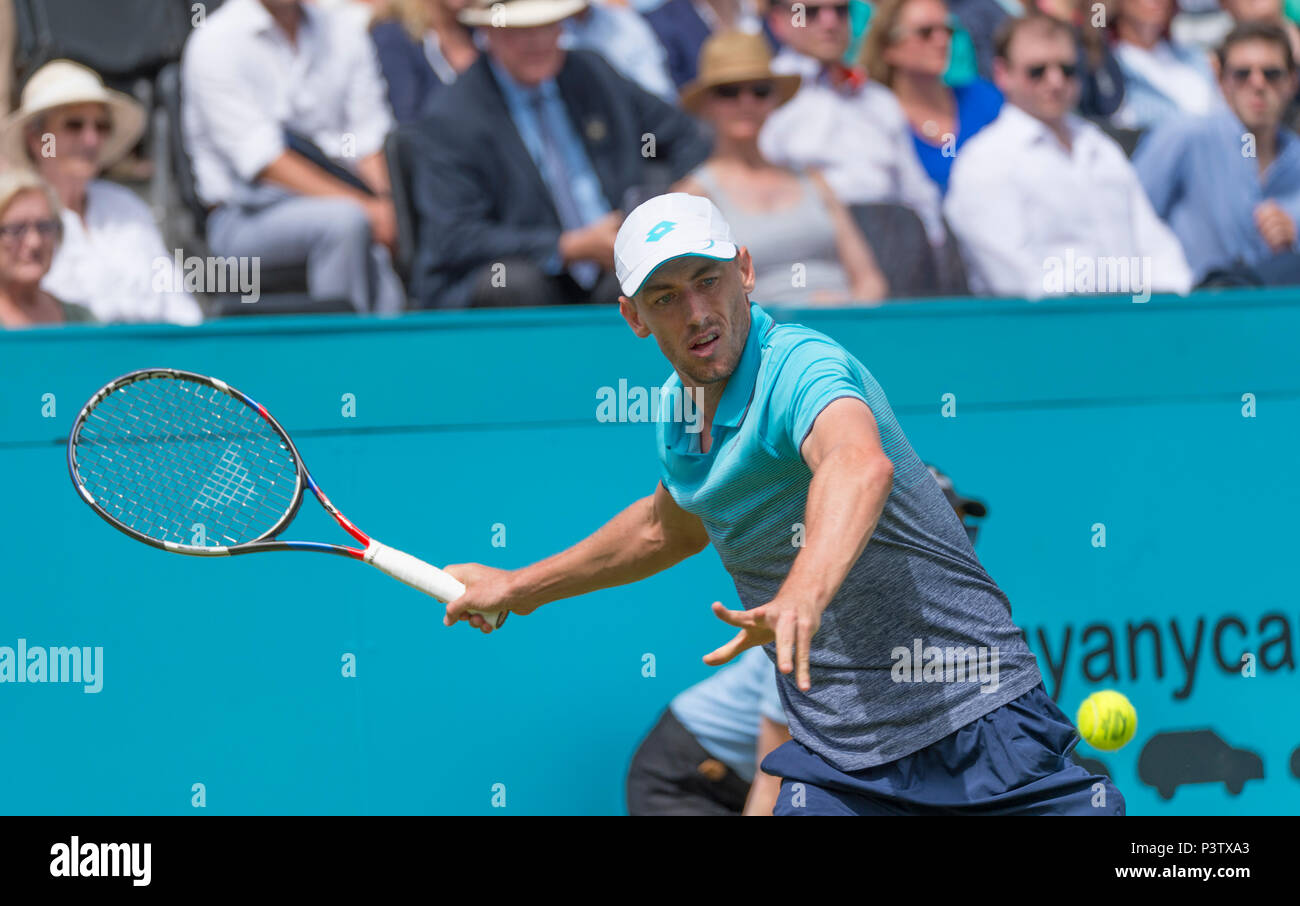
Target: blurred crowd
{"points": [[309, 155]]}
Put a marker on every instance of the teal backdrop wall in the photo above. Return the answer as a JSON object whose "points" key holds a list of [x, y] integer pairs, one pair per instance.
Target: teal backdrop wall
{"points": [[1068, 414]]}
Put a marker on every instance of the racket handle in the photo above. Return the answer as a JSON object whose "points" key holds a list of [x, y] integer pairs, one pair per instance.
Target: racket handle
{"points": [[422, 576]]}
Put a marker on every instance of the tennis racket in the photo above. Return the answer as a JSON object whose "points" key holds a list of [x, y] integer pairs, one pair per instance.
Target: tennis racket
{"points": [[189, 464]]}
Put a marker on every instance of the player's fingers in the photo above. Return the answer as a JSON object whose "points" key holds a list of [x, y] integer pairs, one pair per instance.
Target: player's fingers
{"points": [[458, 611], [720, 656], [804, 630], [741, 618], [785, 638]]}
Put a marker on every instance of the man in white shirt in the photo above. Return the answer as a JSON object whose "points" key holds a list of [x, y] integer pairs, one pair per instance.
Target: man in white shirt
{"points": [[258, 75], [839, 122], [1041, 201]]}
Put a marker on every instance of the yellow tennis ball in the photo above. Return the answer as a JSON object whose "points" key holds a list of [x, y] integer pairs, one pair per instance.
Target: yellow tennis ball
{"points": [[1107, 720]]}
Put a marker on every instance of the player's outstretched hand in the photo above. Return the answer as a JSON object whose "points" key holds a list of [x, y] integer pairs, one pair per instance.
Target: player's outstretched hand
{"points": [[789, 623], [487, 590]]}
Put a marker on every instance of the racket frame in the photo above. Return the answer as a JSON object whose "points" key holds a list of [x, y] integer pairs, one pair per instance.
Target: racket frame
{"points": [[267, 541]]}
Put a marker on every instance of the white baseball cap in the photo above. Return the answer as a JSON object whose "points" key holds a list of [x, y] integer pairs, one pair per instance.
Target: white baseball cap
{"points": [[666, 227]]}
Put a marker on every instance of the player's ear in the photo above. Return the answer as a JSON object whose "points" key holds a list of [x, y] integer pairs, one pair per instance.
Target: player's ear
{"points": [[627, 308], [746, 265]]}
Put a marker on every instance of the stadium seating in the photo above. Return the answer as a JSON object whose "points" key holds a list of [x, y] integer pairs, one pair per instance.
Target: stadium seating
{"points": [[283, 289], [902, 250], [397, 151]]}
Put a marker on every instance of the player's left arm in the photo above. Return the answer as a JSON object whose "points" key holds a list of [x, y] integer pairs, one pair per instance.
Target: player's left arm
{"points": [[851, 480]]}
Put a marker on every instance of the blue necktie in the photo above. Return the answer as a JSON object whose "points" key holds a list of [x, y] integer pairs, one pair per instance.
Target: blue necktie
{"points": [[560, 181]]}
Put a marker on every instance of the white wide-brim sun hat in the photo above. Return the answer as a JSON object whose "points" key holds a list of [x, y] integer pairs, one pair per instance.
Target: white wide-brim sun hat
{"points": [[60, 83], [520, 13]]}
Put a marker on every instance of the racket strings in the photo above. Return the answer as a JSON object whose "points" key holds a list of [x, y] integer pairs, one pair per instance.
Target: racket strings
{"points": [[166, 455]]}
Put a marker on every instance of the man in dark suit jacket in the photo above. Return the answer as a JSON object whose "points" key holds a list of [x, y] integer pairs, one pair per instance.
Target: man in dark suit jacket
{"points": [[525, 166]]}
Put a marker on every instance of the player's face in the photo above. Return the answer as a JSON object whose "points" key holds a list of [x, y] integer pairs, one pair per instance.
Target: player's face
{"points": [[1040, 75], [530, 55], [698, 311], [1256, 83]]}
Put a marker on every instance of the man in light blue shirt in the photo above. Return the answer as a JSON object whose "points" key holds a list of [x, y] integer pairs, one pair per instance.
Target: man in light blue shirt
{"points": [[702, 756], [1229, 184]]}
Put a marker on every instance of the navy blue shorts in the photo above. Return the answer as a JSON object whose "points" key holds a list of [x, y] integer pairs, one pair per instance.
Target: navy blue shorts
{"points": [[1012, 761]]}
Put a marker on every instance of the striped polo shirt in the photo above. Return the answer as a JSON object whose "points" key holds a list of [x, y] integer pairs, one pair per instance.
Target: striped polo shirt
{"points": [[919, 639]]}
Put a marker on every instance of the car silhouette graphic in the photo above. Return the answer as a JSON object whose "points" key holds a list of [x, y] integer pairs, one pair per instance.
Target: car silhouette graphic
{"points": [[1173, 759]]}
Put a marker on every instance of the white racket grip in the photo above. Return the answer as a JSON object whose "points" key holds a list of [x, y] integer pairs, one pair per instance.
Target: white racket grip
{"points": [[422, 576]]}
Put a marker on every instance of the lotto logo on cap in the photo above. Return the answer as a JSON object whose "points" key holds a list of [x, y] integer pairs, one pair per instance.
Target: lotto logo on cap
{"points": [[665, 227]]}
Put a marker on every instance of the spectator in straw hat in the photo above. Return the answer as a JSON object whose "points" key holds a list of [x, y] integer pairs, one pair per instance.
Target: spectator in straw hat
{"points": [[70, 128], [808, 248], [524, 166]]}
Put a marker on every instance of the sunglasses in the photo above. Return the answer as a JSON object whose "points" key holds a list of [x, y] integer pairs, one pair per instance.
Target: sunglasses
{"points": [[1272, 74], [841, 10], [13, 233], [1036, 73], [78, 124], [925, 32], [814, 9], [759, 90]]}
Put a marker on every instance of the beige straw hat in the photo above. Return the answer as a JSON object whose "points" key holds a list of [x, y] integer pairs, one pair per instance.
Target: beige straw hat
{"points": [[736, 56], [63, 82]]}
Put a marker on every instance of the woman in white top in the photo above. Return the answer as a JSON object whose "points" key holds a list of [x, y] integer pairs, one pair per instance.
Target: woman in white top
{"points": [[112, 260]]}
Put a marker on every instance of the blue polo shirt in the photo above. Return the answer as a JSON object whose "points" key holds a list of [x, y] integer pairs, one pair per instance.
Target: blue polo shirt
{"points": [[918, 641]]}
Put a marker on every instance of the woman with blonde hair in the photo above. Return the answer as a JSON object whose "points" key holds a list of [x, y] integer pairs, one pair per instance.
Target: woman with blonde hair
{"points": [[907, 49], [30, 230], [422, 48], [805, 245]]}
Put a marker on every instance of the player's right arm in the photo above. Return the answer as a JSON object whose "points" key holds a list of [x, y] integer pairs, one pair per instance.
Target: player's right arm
{"points": [[648, 537]]}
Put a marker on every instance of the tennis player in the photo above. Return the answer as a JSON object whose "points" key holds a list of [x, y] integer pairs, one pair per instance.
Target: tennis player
{"points": [[907, 686]]}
